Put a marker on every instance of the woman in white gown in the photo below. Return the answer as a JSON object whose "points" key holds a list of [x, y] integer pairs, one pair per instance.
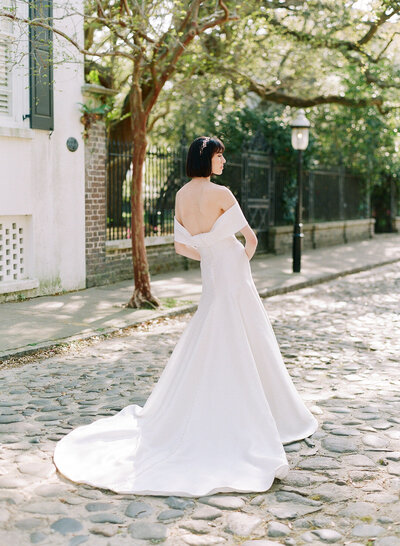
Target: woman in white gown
{"points": [[224, 405]]}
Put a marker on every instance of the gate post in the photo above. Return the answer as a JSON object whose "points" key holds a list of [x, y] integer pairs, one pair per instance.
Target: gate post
{"points": [[95, 182], [183, 149], [342, 204], [244, 184], [272, 190], [393, 204], [310, 197]]}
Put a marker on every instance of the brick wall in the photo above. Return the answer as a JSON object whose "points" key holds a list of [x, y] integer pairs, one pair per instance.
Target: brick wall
{"points": [[105, 266], [95, 201], [161, 258]]}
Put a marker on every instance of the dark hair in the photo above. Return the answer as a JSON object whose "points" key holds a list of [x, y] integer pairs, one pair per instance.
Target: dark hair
{"points": [[198, 162]]}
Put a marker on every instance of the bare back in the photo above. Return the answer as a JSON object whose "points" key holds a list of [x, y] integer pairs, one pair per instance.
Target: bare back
{"points": [[198, 205]]}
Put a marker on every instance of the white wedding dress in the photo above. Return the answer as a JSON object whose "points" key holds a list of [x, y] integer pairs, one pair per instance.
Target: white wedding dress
{"points": [[223, 405]]}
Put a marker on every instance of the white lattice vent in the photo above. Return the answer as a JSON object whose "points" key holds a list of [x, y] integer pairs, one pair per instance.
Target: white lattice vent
{"points": [[12, 266], [12, 250], [16, 256]]}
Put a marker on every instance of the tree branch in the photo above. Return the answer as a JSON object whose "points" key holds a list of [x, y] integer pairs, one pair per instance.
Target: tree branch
{"points": [[100, 10], [375, 26], [124, 3], [106, 21], [39, 23], [370, 78], [145, 37], [158, 116], [302, 102], [330, 42], [180, 47], [223, 19], [273, 94], [191, 15], [390, 41]]}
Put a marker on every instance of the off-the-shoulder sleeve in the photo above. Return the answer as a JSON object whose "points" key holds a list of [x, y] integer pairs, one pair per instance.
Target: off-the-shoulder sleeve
{"points": [[181, 235], [237, 218]]}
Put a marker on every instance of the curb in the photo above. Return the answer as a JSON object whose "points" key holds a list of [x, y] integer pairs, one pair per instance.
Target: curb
{"points": [[323, 278], [99, 334], [104, 333]]}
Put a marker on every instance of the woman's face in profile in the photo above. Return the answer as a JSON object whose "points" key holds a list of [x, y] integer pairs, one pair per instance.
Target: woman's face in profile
{"points": [[217, 163]]}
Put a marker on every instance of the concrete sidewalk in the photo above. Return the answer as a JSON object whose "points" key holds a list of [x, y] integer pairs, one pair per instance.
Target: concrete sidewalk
{"points": [[47, 321]]}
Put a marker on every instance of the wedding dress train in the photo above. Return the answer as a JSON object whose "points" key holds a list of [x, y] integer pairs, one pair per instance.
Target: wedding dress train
{"points": [[223, 405]]}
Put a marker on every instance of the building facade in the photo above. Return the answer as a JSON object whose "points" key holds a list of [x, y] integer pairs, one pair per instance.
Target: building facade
{"points": [[42, 169]]}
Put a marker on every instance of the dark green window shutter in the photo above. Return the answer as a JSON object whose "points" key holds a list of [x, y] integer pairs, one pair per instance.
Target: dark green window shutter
{"points": [[41, 66]]}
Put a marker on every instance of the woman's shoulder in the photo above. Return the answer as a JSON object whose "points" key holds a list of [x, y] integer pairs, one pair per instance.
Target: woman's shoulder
{"points": [[227, 197], [223, 191], [221, 194]]}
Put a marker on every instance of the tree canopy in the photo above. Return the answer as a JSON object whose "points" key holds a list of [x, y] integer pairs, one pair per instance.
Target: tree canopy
{"points": [[224, 65]]}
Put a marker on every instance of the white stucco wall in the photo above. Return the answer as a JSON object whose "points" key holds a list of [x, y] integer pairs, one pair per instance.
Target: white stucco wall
{"points": [[40, 178]]}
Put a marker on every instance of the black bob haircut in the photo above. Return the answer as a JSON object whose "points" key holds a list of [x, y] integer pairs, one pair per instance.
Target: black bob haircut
{"points": [[198, 162]]}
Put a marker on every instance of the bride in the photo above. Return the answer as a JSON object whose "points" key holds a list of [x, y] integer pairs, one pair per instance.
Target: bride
{"points": [[225, 404]]}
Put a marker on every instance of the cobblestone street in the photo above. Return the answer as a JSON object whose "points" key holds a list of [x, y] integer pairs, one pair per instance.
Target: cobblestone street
{"points": [[341, 343]]}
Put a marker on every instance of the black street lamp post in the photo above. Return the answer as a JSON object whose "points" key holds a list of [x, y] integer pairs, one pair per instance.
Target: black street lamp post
{"points": [[300, 132], [298, 234]]}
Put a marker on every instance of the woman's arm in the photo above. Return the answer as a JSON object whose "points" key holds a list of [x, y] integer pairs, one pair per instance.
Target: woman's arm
{"points": [[251, 241], [187, 251], [248, 233]]}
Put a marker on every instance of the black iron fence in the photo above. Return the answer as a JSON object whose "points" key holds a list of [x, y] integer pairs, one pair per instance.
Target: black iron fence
{"points": [[119, 179], [334, 194], [266, 191]]}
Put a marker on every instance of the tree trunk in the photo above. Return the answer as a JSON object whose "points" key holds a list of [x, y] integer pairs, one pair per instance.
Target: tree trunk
{"points": [[142, 293]]}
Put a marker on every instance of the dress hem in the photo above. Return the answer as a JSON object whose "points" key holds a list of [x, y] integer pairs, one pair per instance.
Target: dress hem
{"points": [[298, 438], [215, 490]]}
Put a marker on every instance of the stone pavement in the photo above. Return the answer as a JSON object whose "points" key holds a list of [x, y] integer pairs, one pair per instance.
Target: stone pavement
{"points": [[48, 321], [340, 341]]}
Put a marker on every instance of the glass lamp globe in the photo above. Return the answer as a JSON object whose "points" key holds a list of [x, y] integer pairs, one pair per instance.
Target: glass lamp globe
{"points": [[300, 131]]}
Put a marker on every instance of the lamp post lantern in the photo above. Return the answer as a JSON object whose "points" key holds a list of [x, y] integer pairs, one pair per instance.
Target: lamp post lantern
{"points": [[300, 132]]}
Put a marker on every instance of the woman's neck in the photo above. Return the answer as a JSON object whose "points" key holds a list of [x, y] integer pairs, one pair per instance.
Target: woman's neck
{"points": [[200, 179]]}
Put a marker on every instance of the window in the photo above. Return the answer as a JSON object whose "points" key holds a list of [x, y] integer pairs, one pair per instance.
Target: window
{"points": [[6, 37], [26, 67]]}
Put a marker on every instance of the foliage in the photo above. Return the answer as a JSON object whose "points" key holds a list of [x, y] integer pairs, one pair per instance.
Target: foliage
{"points": [[100, 109], [339, 59], [93, 76], [250, 128], [92, 113], [363, 140]]}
